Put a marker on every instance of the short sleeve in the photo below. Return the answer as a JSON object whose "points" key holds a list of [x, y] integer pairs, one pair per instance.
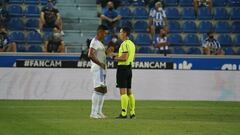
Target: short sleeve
{"points": [[151, 13], [125, 47], [93, 44]]}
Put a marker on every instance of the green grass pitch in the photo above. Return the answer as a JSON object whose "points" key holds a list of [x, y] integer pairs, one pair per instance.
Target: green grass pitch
{"points": [[71, 117]]}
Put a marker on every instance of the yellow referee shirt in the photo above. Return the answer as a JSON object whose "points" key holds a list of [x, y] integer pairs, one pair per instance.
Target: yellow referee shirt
{"points": [[129, 47]]}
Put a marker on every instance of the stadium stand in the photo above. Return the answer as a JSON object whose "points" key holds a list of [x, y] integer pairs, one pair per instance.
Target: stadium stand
{"points": [[189, 27], [140, 26], [80, 22], [143, 40]]}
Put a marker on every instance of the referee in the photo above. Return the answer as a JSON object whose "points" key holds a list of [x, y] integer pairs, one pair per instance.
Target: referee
{"points": [[125, 60]]}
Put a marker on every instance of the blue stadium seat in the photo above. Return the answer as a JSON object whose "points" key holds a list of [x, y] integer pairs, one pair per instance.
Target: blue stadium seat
{"points": [[125, 12], [186, 3], [32, 23], [236, 27], [237, 40], [140, 13], [189, 27], [235, 14], [234, 3], [171, 2], [220, 3], [225, 40], [143, 40], [107, 38], [17, 37], [125, 23], [204, 13], [194, 50], [31, 1], [191, 40], [131, 37], [16, 24], [174, 27], [178, 50], [15, 10], [175, 39], [144, 50], [205, 26], [172, 13], [222, 27], [221, 14], [34, 38], [228, 51], [35, 48], [188, 13], [15, 1], [21, 48], [32, 11], [140, 26]]}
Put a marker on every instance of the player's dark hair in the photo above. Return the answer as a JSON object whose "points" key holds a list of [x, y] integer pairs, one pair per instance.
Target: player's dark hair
{"points": [[127, 30], [102, 27]]}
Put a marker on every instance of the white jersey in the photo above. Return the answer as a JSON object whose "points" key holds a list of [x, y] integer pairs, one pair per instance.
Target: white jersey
{"points": [[100, 53]]}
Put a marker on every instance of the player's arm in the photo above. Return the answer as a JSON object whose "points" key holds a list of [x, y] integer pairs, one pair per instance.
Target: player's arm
{"points": [[92, 56], [123, 57]]}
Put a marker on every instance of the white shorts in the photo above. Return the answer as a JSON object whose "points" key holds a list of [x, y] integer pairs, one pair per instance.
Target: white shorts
{"points": [[99, 78]]}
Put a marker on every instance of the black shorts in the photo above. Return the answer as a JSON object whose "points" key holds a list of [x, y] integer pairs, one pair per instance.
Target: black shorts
{"points": [[124, 77]]}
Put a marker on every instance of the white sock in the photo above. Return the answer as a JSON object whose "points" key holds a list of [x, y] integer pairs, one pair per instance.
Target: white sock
{"points": [[100, 103], [95, 104]]}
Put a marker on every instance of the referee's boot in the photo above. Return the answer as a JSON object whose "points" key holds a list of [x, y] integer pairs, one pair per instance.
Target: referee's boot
{"points": [[121, 116], [132, 116]]}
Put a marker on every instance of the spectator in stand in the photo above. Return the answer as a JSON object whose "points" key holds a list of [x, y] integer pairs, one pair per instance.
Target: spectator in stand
{"points": [[5, 44], [161, 42], [211, 46], [206, 3], [50, 17], [110, 17], [4, 16], [55, 43], [157, 19]]}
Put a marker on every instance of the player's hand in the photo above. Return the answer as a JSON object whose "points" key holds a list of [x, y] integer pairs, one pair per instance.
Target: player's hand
{"points": [[110, 50], [102, 65], [113, 56]]}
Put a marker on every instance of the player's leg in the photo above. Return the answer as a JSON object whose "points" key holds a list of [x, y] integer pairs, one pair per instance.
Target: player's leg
{"points": [[102, 91], [131, 103], [99, 92], [95, 95], [122, 84], [101, 97], [131, 96], [94, 109], [124, 102]]}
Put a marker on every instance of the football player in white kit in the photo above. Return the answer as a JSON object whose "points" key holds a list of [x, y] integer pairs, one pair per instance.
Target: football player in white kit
{"points": [[97, 54]]}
